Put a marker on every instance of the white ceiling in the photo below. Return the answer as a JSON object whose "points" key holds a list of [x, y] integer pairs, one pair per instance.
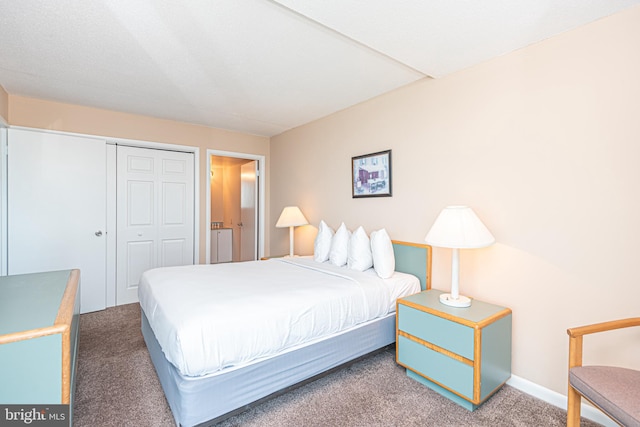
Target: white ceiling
{"points": [[259, 66]]}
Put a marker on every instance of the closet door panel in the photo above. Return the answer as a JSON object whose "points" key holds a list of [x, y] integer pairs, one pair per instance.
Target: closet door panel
{"points": [[57, 208], [173, 203], [140, 257], [136, 220], [173, 252], [140, 199], [176, 211], [155, 210]]}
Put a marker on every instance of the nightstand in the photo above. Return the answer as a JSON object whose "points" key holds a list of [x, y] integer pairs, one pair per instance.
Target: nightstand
{"points": [[462, 353]]}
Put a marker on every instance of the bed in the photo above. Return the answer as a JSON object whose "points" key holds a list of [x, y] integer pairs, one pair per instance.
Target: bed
{"points": [[211, 368]]}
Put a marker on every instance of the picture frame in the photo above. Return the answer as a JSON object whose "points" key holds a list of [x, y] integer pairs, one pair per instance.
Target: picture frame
{"points": [[371, 175]]}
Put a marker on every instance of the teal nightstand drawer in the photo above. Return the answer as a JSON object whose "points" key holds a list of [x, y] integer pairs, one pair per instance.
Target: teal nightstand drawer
{"points": [[444, 333], [437, 367]]}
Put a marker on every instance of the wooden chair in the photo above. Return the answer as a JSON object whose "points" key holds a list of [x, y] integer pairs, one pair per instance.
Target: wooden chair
{"points": [[613, 390]]}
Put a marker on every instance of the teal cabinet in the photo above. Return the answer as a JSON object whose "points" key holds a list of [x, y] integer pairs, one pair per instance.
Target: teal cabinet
{"points": [[462, 353], [39, 316]]}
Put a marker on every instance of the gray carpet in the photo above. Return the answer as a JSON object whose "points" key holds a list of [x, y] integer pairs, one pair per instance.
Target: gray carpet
{"points": [[117, 386]]}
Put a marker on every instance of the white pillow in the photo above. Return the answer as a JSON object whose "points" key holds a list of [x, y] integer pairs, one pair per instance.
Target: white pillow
{"points": [[322, 244], [360, 257], [384, 262], [340, 246]]}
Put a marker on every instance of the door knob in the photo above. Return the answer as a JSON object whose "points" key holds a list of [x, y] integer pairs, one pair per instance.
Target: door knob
{"points": [[99, 233]]}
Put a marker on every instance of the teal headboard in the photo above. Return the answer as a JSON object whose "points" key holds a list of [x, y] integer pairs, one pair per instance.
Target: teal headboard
{"points": [[414, 258]]}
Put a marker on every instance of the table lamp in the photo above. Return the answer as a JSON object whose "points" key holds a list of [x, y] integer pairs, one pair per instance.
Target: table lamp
{"points": [[291, 216], [458, 227]]}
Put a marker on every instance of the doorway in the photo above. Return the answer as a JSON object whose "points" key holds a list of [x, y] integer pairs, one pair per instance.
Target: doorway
{"points": [[235, 207]]}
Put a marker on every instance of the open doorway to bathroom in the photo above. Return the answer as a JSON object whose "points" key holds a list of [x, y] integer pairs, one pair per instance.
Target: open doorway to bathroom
{"points": [[235, 207]]}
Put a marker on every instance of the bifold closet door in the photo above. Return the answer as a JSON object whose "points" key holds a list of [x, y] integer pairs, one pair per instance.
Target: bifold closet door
{"points": [[155, 214], [56, 208]]}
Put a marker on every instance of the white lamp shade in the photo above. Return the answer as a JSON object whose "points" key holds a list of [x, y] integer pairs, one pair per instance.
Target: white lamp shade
{"points": [[459, 227], [291, 216]]}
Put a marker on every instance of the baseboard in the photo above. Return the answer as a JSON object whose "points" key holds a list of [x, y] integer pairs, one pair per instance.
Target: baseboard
{"points": [[559, 400]]}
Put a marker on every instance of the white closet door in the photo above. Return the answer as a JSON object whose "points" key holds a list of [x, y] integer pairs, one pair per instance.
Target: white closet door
{"points": [[155, 214], [57, 208]]}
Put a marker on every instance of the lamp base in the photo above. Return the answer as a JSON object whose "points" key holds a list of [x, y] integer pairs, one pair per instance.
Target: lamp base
{"points": [[461, 301]]}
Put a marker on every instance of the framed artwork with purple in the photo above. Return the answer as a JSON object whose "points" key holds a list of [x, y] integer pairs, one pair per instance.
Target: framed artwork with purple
{"points": [[371, 175]]}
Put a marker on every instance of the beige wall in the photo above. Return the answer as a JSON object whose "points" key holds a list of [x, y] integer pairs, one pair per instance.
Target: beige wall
{"points": [[544, 144], [4, 106], [217, 180], [36, 113]]}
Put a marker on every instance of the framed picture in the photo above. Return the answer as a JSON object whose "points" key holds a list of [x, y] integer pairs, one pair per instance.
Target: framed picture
{"points": [[371, 175]]}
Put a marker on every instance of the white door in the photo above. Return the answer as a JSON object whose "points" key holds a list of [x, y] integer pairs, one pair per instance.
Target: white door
{"points": [[248, 211], [3, 193], [56, 208], [155, 214]]}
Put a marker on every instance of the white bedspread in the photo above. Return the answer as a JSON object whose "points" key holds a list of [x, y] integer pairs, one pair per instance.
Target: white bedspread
{"points": [[210, 317]]}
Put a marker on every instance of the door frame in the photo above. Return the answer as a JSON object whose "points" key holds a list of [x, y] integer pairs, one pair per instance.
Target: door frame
{"points": [[261, 196]]}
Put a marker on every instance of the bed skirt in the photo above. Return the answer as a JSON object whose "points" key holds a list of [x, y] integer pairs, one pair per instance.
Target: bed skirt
{"points": [[210, 399]]}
